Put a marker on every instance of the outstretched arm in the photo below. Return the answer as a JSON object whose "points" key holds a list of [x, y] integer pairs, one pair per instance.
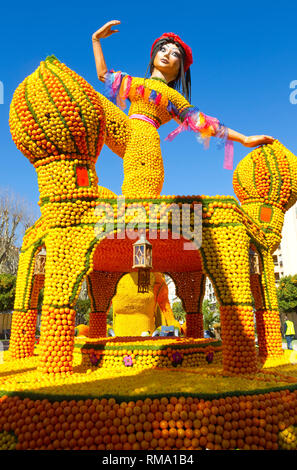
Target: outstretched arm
{"points": [[214, 128], [249, 141], [103, 32]]}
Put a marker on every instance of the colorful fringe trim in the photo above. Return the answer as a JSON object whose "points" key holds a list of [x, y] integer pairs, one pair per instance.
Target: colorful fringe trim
{"points": [[116, 88], [199, 122]]}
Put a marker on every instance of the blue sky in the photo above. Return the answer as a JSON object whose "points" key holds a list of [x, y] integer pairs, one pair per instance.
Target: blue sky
{"points": [[244, 61]]}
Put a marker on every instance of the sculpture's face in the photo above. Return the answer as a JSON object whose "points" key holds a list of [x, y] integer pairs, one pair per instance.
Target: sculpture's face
{"points": [[168, 60]]}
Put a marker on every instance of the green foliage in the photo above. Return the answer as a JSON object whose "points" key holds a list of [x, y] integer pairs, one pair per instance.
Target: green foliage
{"points": [[287, 294], [40, 300], [210, 314], [110, 315], [7, 291], [178, 311], [83, 308]]}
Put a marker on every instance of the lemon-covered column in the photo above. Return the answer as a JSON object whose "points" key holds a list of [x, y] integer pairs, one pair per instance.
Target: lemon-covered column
{"points": [[24, 318], [226, 261], [68, 261], [28, 285], [265, 183], [101, 289], [57, 121]]}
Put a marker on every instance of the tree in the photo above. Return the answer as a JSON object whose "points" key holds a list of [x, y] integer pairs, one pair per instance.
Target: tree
{"points": [[210, 315], [178, 311], [40, 300], [84, 290], [287, 294], [7, 291], [109, 318], [15, 219], [83, 308]]}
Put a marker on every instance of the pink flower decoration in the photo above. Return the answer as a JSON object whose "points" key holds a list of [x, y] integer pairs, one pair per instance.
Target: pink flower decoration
{"points": [[94, 359], [128, 361], [209, 357]]}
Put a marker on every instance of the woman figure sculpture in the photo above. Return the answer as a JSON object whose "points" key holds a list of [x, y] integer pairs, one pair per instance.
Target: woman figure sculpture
{"points": [[155, 101]]}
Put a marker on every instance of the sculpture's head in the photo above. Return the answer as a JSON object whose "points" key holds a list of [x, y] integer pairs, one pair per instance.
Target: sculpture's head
{"points": [[267, 175], [55, 112], [171, 55]]}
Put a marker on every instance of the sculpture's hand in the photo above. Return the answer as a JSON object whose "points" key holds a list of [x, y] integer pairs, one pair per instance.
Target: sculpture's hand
{"points": [[255, 140], [106, 30]]}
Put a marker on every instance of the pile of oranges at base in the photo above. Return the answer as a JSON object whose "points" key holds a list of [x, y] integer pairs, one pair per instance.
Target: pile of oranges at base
{"points": [[250, 422]]}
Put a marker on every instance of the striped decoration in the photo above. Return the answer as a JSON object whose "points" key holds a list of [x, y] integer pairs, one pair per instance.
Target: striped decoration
{"points": [[56, 112]]}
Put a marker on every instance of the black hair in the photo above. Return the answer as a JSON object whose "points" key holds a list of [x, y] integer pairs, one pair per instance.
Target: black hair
{"points": [[182, 82]]}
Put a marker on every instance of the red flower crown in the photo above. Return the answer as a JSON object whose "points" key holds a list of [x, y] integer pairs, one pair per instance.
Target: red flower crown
{"points": [[176, 38]]}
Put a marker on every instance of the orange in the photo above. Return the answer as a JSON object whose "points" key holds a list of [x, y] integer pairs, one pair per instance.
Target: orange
{"points": [[164, 424]]}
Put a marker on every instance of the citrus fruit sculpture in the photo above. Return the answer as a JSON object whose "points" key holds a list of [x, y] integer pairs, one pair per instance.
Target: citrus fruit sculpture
{"points": [[60, 123]]}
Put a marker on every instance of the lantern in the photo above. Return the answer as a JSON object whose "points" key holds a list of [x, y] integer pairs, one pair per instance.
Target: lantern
{"points": [[142, 261], [40, 262], [254, 262]]}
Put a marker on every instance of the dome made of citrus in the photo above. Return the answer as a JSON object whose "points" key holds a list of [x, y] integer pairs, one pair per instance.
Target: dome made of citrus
{"points": [[267, 174], [54, 111]]}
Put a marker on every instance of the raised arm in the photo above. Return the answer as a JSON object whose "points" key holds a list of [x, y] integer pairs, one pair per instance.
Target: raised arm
{"points": [[104, 32]]}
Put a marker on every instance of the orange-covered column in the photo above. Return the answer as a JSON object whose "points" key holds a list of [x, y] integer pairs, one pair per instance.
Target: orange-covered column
{"points": [[238, 335], [22, 339], [97, 324], [190, 288], [57, 339], [101, 289], [267, 314], [225, 254], [23, 327]]}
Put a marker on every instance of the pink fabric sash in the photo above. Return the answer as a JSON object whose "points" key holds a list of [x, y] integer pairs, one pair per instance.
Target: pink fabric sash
{"points": [[229, 151], [142, 117]]}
